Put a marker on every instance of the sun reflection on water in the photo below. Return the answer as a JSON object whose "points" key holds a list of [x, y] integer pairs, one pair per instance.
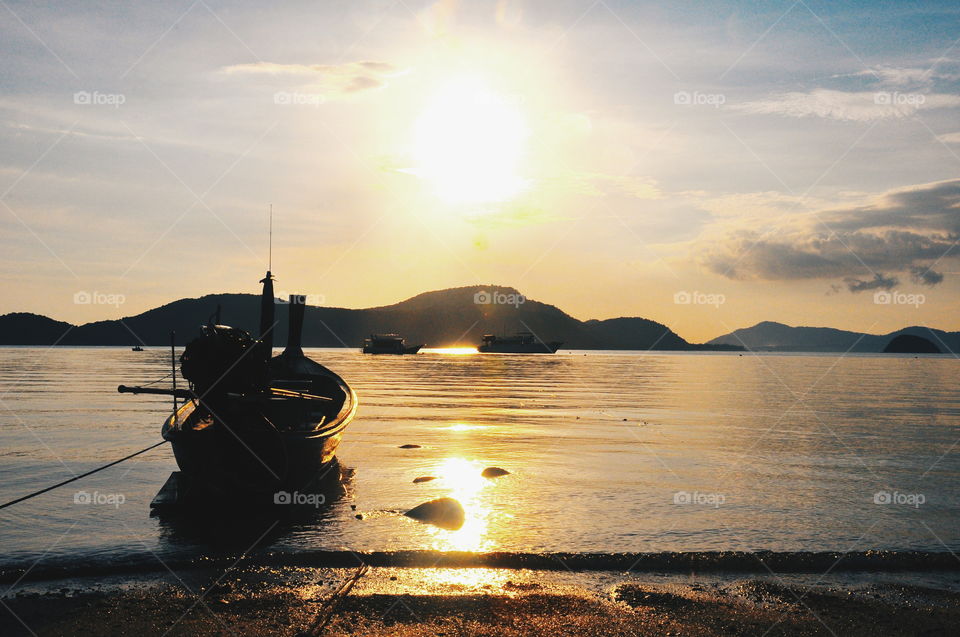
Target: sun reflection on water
{"points": [[456, 351], [463, 482], [462, 426]]}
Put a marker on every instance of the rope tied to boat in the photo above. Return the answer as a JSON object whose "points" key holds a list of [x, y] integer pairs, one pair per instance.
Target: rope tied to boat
{"points": [[154, 382], [82, 475], [331, 603]]}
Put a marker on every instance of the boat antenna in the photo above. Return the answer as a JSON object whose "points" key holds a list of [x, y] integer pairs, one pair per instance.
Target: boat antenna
{"points": [[270, 249], [173, 366]]}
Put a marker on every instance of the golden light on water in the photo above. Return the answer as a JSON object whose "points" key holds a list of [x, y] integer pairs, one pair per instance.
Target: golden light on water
{"points": [[456, 351], [469, 143], [463, 482], [462, 426], [468, 580]]}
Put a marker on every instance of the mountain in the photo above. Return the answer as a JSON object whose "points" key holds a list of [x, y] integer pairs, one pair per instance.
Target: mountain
{"points": [[24, 328], [910, 344], [458, 316], [770, 336]]}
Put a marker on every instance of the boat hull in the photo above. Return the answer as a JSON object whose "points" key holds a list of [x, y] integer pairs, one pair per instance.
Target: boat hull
{"points": [[519, 348], [231, 462], [231, 449], [373, 349]]}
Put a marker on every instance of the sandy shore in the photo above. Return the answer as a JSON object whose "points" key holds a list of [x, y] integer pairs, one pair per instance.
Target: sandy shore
{"points": [[474, 601]]}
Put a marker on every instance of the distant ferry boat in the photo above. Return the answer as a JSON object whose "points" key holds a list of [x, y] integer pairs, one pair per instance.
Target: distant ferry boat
{"points": [[520, 343], [136, 348], [388, 344]]}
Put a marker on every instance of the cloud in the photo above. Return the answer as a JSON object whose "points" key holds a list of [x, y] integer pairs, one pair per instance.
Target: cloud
{"points": [[934, 206], [602, 185], [878, 282], [902, 77], [899, 231], [925, 275], [330, 79], [949, 138], [862, 106]]}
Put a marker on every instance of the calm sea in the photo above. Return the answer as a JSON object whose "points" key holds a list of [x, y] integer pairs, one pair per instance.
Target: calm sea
{"points": [[608, 452]]}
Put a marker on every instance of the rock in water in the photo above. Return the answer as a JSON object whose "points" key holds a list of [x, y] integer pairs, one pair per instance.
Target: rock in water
{"points": [[446, 513], [424, 479], [494, 472], [409, 446]]}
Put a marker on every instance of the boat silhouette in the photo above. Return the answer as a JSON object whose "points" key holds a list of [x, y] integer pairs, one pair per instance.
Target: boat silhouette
{"points": [[388, 344], [519, 343], [254, 423]]}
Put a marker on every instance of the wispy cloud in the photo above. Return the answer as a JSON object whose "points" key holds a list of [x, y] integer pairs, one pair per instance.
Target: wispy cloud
{"points": [[878, 282], [861, 106], [332, 79], [905, 77], [601, 185]]}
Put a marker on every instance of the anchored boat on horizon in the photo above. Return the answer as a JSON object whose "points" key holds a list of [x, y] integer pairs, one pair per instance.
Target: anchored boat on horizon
{"points": [[519, 343], [388, 344]]}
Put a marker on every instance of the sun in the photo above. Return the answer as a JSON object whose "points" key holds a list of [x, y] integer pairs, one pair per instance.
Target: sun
{"points": [[469, 143]]}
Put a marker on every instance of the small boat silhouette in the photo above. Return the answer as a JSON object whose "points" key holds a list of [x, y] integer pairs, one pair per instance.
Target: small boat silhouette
{"points": [[388, 344], [519, 343]]}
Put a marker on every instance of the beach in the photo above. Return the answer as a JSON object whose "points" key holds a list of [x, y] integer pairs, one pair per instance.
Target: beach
{"points": [[448, 601]]}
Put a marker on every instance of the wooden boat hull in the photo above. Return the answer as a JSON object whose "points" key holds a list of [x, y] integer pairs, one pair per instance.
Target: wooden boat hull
{"points": [[230, 449]]}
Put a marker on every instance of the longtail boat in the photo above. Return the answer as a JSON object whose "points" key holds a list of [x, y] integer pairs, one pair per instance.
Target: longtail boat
{"points": [[251, 422]]}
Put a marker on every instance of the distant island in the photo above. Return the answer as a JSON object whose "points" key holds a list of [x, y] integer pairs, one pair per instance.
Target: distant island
{"points": [[447, 318], [910, 344], [777, 337], [444, 318]]}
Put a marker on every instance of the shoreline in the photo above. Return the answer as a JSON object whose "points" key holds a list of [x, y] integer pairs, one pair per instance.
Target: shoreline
{"points": [[255, 600], [733, 562]]}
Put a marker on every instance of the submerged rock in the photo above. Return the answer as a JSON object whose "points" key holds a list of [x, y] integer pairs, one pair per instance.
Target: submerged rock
{"points": [[446, 513], [409, 446], [424, 479], [494, 472]]}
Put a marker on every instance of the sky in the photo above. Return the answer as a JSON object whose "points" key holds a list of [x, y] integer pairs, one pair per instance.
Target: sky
{"points": [[705, 165]]}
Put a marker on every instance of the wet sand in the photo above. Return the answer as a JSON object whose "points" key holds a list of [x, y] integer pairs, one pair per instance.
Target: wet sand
{"points": [[477, 601]]}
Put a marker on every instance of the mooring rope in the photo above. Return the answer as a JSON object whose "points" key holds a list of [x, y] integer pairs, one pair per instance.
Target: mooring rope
{"points": [[330, 605], [154, 382], [82, 475]]}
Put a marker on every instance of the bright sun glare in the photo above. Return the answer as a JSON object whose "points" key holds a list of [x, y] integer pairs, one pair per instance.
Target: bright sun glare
{"points": [[469, 144], [465, 483]]}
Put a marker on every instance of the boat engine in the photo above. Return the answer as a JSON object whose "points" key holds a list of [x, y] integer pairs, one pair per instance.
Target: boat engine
{"points": [[220, 361]]}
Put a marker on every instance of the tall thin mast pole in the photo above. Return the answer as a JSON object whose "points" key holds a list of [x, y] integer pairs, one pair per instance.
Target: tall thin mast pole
{"points": [[270, 249], [173, 367]]}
